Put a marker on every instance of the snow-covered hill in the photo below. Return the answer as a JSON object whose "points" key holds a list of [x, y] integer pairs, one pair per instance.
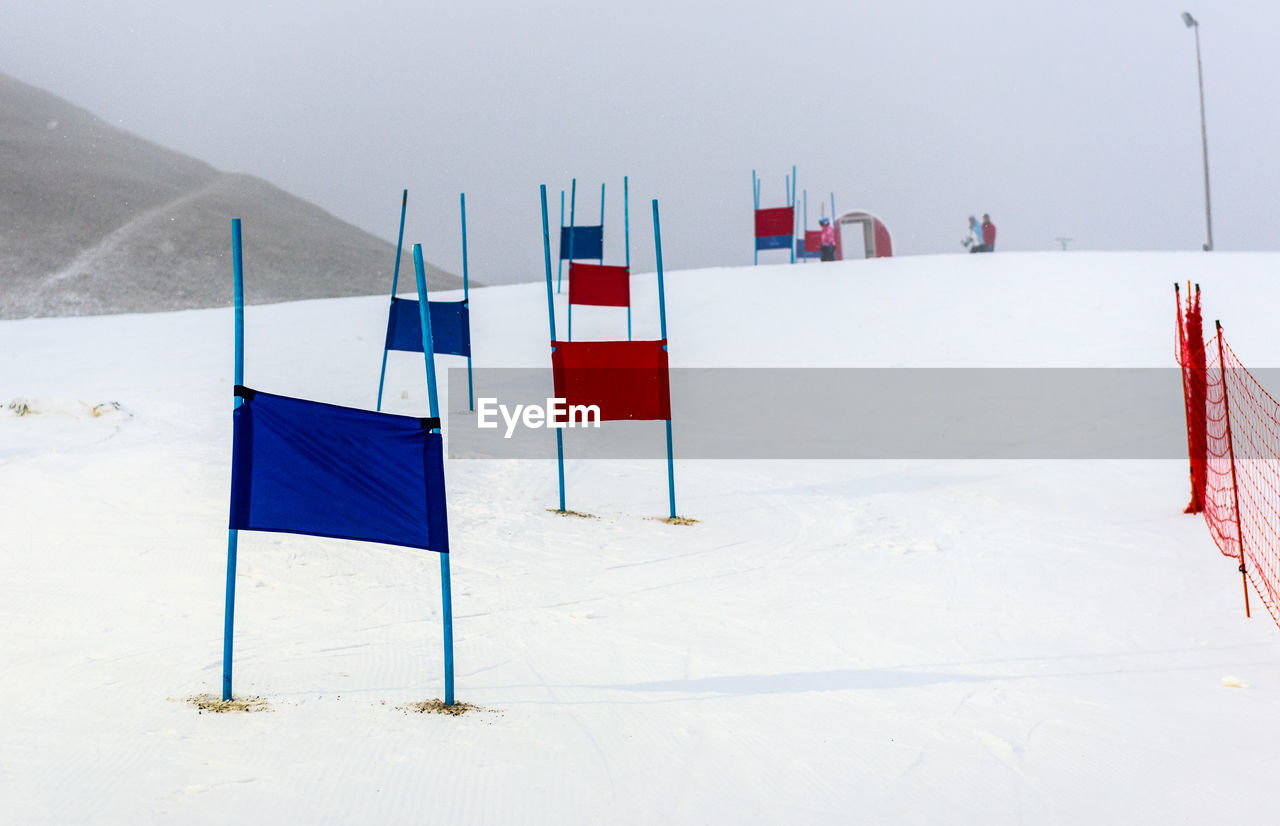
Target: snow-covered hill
{"points": [[832, 642], [95, 220]]}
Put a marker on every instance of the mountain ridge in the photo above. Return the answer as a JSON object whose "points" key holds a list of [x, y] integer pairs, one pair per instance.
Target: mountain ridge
{"points": [[95, 220]]}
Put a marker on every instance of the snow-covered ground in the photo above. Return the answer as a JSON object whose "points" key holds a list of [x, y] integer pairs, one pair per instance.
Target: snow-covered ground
{"points": [[1047, 642]]}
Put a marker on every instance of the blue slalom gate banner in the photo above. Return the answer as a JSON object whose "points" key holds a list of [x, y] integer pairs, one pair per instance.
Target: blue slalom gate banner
{"points": [[581, 242], [450, 327], [305, 467], [773, 242]]}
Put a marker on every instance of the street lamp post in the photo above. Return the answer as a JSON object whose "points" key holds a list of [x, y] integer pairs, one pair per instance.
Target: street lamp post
{"points": [[1192, 23]]}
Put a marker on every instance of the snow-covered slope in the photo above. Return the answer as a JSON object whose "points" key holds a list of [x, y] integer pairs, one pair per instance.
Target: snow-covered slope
{"points": [[96, 220], [832, 642]]}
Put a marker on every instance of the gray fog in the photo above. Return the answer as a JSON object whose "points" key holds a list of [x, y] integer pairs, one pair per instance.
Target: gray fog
{"points": [[1063, 120]]}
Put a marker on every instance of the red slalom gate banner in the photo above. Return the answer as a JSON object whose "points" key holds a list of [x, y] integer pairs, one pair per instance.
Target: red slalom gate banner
{"points": [[601, 285], [775, 221], [622, 379], [1238, 451]]}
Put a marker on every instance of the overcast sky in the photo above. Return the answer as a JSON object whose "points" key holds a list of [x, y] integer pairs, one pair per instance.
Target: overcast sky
{"points": [[1062, 119]]}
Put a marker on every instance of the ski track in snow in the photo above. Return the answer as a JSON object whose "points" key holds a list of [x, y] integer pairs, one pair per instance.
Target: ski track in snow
{"points": [[90, 257]]}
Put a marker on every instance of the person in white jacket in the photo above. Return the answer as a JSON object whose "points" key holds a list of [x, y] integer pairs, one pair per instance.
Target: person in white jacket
{"points": [[974, 239]]}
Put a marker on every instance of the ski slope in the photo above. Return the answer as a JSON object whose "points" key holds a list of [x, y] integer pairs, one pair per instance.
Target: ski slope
{"points": [[894, 641]]}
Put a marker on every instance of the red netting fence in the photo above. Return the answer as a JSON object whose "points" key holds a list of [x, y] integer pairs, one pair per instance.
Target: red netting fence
{"points": [[1189, 352], [1233, 442]]}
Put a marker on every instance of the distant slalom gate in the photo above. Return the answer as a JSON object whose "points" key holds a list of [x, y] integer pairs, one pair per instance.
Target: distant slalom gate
{"points": [[587, 241], [450, 320], [775, 227], [809, 241], [625, 380], [598, 285], [1233, 444], [317, 469]]}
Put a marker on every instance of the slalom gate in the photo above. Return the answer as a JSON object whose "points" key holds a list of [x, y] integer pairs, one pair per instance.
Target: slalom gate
{"points": [[809, 241], [579, 242], [775, 227], [450, 320], [304, 467], [623, 380], [1233, 444]]}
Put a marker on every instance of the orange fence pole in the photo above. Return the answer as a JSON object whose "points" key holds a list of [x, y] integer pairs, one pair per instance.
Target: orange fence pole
{"points": [[1186, 392], [1231, 455]]}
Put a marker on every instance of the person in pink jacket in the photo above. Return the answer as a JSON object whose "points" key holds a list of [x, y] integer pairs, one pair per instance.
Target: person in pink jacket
{"points": [[827, 240]]}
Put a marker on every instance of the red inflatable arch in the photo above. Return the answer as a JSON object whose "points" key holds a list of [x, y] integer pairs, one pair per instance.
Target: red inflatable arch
{"points": [[860, 234]]}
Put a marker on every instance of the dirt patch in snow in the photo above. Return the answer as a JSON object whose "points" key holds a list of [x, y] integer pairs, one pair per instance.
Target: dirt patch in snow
{"points": [[213, 705], [578, 514], [437, 706], [675, 520]]}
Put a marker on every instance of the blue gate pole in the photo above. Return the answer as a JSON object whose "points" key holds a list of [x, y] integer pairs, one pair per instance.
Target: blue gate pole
{"points": [[602, 223], [662, 316], [551, 318], [833, 207], [446, 599], [569, 301], [559, 250], [546, 249], [626, 230], [424, 314], [573, 206], [466, 300], [795, 217], [395, 278], [791, 202], [755, 207], [233, 535], [428, 347]]}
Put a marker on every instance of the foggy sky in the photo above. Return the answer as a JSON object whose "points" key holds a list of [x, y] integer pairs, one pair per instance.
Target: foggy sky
{"points": [[1061, 119]]}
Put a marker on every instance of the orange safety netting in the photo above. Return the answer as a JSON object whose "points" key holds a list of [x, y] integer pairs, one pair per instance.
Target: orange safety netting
{"points": [[1233, 441], [1189, 353]]}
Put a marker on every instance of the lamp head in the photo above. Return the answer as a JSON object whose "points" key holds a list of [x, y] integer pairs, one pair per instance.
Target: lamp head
{"points": [[1189, 20]]}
